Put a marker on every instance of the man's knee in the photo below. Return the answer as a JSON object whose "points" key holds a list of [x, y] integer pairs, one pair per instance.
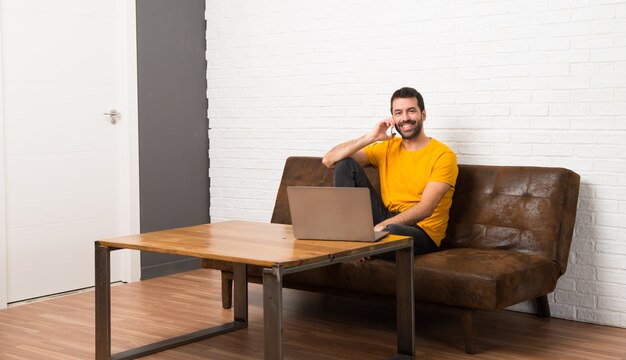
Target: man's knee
{"points": [[347, 164], [422, 243], [345, 173]]}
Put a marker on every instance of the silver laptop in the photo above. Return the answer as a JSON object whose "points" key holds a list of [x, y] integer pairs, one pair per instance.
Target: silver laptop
{"points": [[332, 213]]}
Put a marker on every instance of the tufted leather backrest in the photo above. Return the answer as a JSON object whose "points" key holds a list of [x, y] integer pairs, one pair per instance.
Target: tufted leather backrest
{"points": [[306, 171], [526, 209]]}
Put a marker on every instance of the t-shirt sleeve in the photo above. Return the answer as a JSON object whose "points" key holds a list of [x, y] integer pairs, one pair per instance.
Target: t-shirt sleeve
{"points": [[445, 169], [375, 152]]}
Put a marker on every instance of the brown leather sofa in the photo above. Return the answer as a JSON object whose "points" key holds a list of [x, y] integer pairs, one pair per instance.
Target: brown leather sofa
{"points": [[508, 241]]}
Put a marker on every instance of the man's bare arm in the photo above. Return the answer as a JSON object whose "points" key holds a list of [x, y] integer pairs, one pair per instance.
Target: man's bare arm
{"points": [[353, 148], [432, 195]]}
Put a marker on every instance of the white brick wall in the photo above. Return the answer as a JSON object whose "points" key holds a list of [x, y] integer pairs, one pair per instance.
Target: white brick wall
{"points": [[539, 82]]}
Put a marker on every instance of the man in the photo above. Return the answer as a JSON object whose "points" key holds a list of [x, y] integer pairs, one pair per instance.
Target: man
{"points": [[417, 173]]}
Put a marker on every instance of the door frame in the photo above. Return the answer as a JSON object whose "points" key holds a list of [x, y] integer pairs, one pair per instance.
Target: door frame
{"points": [[127, 62], [3, 216], [127, 38]]}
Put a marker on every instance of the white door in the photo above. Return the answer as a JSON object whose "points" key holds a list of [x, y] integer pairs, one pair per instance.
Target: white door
{"points": [[69, 172]]}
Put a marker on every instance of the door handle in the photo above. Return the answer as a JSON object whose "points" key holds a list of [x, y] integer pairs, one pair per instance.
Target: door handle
{"points": [[115, 116]]}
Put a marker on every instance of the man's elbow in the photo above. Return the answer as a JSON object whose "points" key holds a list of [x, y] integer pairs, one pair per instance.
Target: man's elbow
{"points": [[328, 162]]}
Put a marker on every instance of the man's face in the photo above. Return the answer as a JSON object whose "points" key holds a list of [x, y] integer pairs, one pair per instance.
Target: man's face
{"points": [[408, 117]]}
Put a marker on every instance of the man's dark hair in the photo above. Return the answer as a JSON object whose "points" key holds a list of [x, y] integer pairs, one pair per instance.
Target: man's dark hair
{"points": [[407, 92]]}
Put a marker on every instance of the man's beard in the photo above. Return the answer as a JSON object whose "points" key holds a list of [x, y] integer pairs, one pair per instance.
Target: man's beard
{"points": [[414, 133]]}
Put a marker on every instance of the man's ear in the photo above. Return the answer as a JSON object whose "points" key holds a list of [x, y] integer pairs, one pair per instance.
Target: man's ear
{"points": [[423, 115]]}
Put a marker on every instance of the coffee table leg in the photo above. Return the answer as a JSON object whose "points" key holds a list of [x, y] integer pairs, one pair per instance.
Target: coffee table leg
{"points": [[272, 312], [240, 279], [405, 302], [103, 302]]}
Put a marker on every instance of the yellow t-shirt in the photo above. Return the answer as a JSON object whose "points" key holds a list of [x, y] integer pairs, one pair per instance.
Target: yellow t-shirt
{"points": [[404, 175]]}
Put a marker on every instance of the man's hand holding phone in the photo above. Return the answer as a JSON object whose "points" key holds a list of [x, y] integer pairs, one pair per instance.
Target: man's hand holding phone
{"points": [[379, 133]]}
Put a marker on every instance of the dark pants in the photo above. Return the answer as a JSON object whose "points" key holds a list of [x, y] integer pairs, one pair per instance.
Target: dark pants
{"points": [[348, 173]]}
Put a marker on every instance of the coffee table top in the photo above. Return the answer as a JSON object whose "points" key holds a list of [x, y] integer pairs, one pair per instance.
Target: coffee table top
{"points": [[247, 242]]}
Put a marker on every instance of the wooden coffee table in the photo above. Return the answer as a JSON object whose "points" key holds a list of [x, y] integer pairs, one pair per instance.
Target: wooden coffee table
{"points": [[243, 243]]}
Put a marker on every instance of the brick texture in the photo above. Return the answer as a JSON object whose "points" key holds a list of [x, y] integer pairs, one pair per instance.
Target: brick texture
{"points": [[512, 82]]}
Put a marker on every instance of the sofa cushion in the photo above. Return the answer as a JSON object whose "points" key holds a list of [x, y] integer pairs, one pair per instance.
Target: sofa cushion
{"points": [[483, 279], [472, 278]]}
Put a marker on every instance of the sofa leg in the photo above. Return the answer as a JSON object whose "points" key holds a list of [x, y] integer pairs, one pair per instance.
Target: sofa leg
{"points": [[227, 290], [469, 329], [543, 308]]}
